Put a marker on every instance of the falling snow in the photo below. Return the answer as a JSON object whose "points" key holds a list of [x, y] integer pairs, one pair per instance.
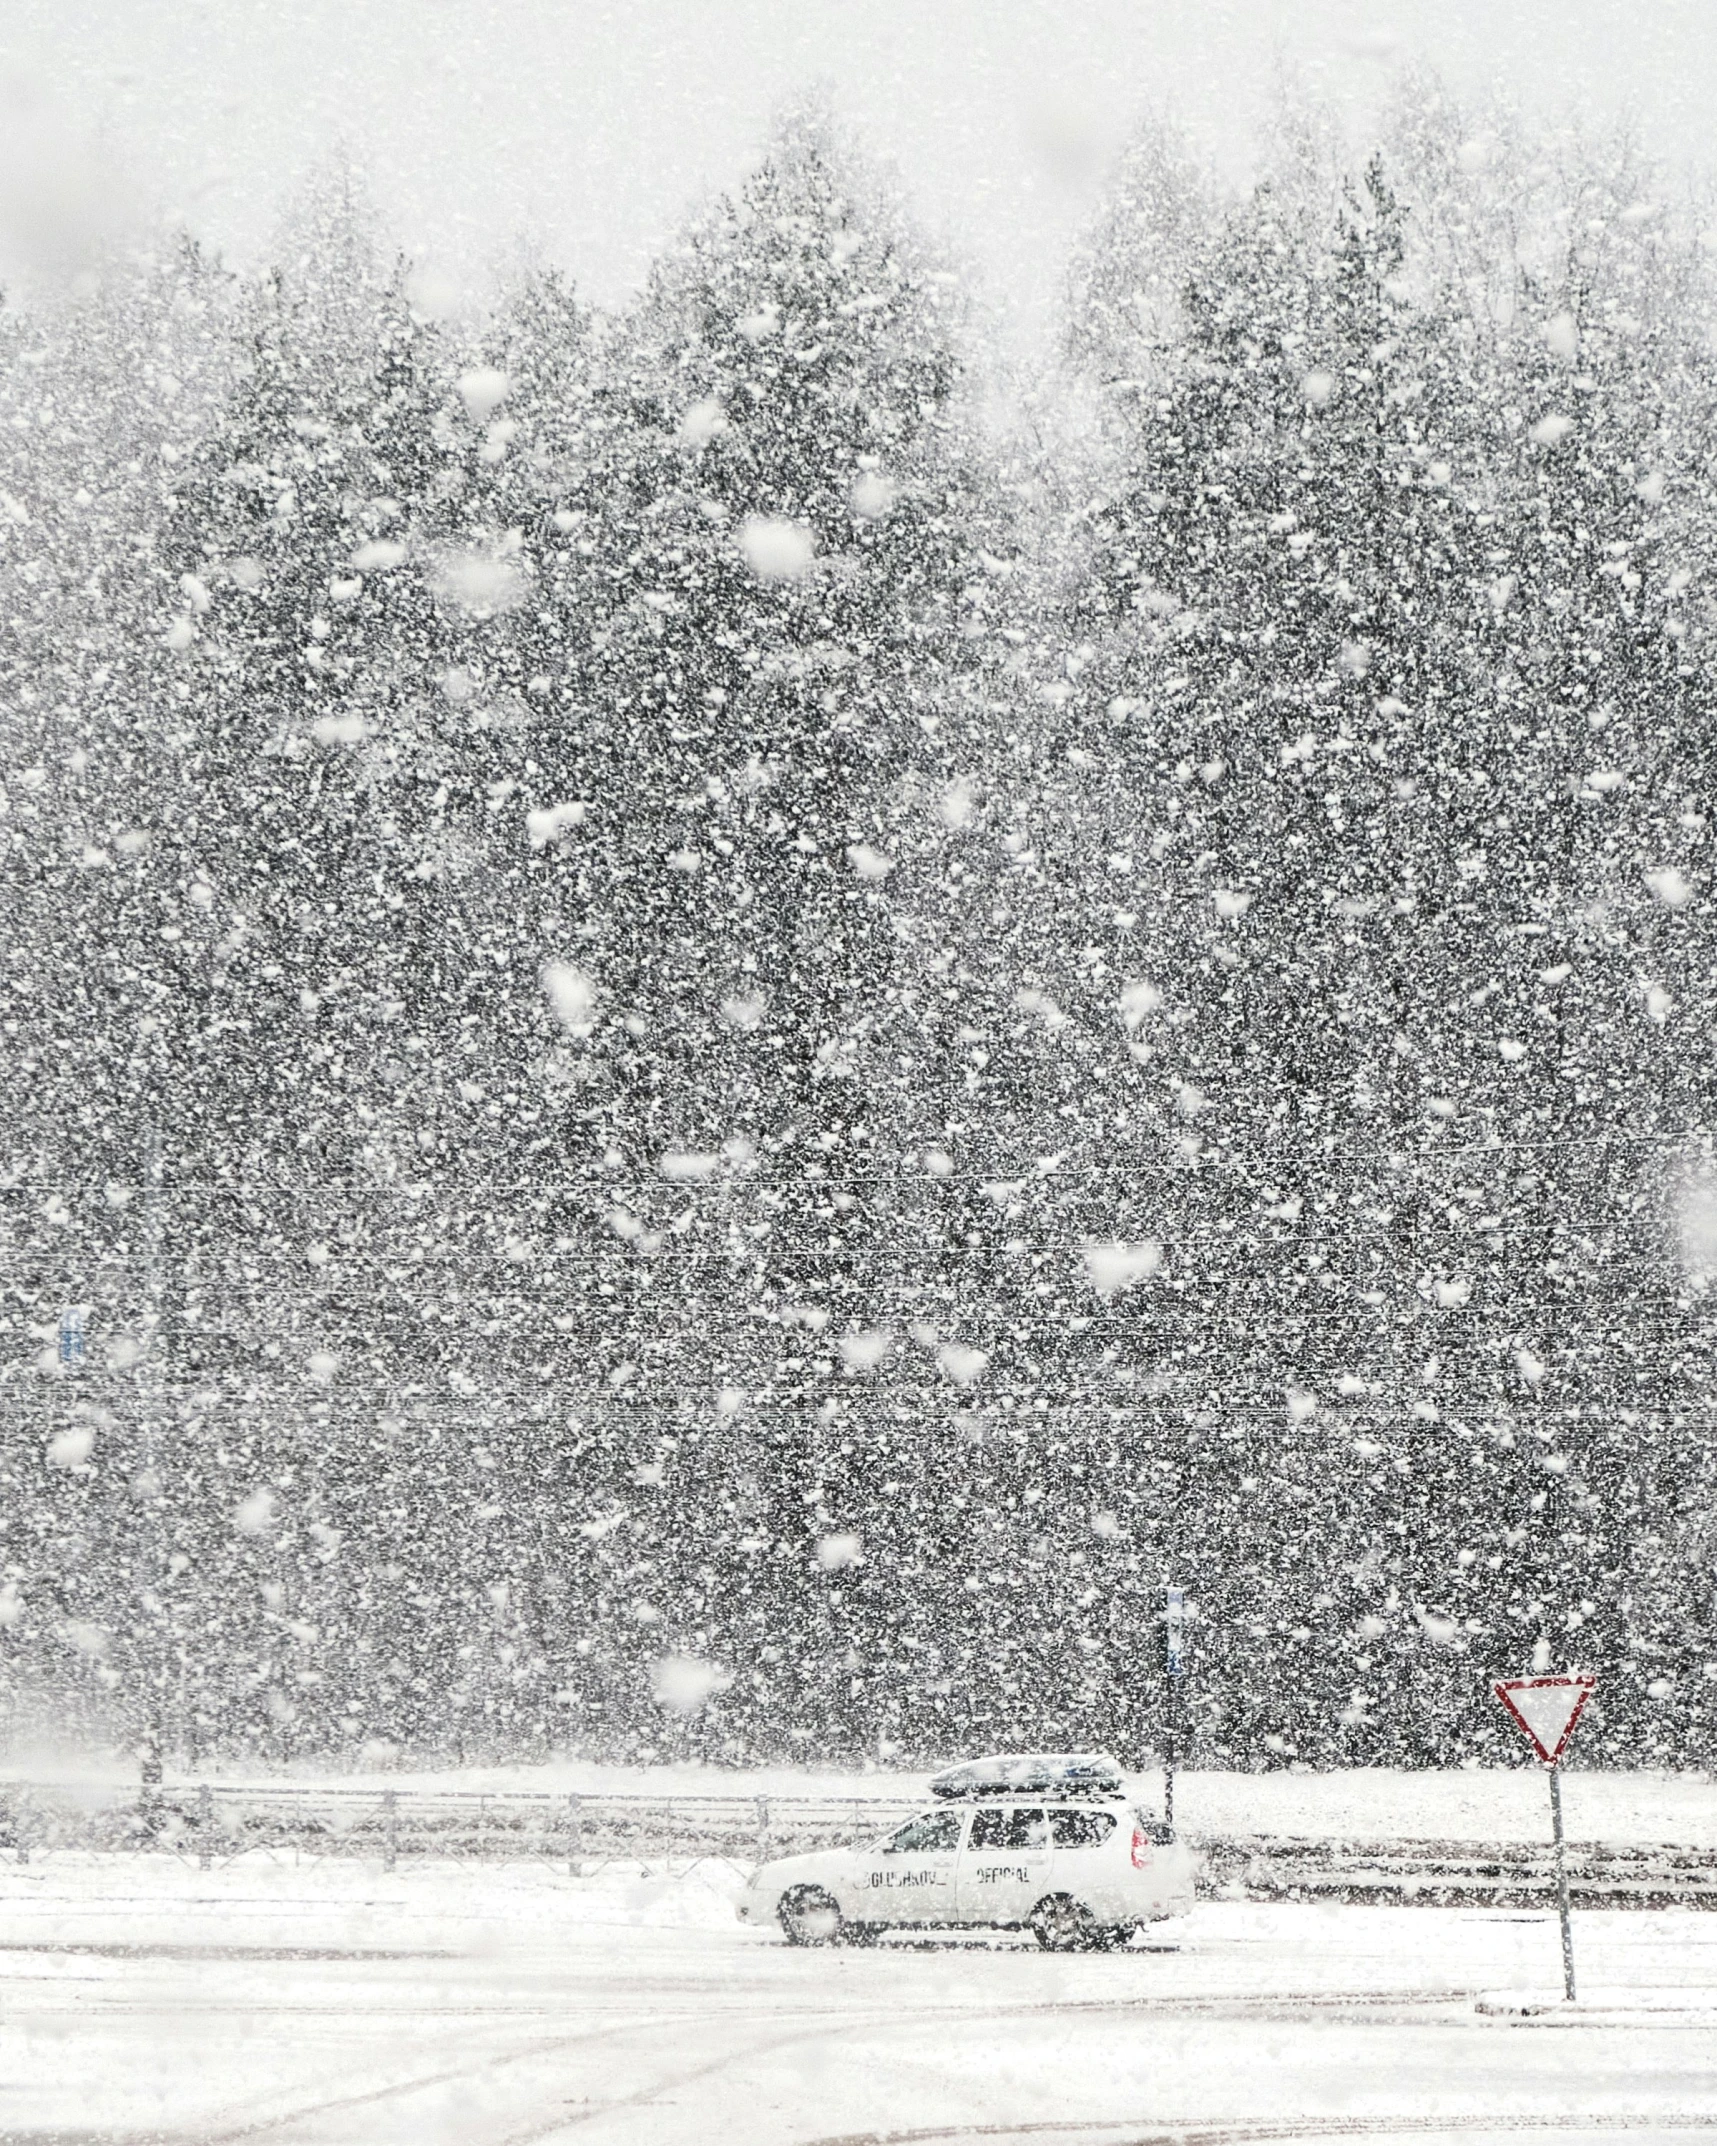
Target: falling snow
{"points": [[719, 1029]]}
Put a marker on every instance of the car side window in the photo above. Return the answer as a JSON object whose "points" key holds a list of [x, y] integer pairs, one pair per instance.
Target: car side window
{"points": [[1081, 1829], [1029, 1829], [989, 1829], [934, 1831], [1010, 1828]]}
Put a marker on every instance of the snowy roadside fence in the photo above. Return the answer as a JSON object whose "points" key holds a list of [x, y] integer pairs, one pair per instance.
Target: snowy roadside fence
{"points": [[1429, 1873], [38, 1820], [740, 1831], [214, 1822]]}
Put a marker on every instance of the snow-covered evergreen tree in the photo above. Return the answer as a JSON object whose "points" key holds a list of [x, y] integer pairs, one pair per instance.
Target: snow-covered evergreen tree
{"points": [[773, 560], [1360, 765]]}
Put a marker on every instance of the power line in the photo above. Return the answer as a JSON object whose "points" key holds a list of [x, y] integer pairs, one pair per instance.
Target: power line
{"points": [[1332, 1417], [1318, 1150]]}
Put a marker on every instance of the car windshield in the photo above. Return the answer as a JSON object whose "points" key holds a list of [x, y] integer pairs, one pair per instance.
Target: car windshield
{"points": [[925, 1835]]}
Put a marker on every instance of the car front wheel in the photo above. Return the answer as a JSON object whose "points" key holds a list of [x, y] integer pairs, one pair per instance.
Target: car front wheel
{"points": [[809, 1916], [1061, 1925]]}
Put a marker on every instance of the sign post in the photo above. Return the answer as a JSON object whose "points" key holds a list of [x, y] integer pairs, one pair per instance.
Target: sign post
{"points": [[1174, 1662], [1547, 1708]]}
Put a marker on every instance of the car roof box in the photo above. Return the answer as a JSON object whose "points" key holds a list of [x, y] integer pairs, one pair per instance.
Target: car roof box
{"points": [[1036, 1773]]}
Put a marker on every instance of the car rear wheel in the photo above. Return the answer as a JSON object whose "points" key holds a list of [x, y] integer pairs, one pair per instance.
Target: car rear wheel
{"points": [[1060, 1924], [809, 1916]]}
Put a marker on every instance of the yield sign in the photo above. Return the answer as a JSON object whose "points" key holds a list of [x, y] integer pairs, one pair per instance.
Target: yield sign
{"points": [[1547, 1709]]}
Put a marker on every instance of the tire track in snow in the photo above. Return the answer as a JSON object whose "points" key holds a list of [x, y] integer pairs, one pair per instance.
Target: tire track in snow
{"points": [[1124, 2131], [529, 2128], [233, 2128], [838, 2021]]}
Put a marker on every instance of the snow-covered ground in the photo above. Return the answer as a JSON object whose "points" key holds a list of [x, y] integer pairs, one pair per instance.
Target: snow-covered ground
{"points": [[334, 2005]]}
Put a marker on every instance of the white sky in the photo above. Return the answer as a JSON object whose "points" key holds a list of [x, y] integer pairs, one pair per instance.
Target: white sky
{"points": [[590, 125]]}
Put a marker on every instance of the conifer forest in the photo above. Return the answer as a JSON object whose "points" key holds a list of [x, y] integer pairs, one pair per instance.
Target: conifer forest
{"points": [[723, 1018]]}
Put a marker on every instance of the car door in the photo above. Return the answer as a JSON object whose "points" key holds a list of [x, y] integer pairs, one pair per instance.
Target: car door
{"points": [[1084, 1848], [909, 1876], [1005, 1866]]}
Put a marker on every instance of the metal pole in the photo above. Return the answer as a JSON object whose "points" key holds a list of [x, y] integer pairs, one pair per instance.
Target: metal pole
{"points": [[763, 1829], [390, 1816], [1174, 1664], [205, 1827], [1168, 1770], [151, 1394], [575, 1826], [1562, 1884]]}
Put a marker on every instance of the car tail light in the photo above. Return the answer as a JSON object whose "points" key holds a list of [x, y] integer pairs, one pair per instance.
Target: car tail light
{"points": [[1141, 1849]]}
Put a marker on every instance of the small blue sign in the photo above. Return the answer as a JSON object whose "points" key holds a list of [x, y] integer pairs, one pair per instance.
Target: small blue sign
{"points": [[71, 1337]]}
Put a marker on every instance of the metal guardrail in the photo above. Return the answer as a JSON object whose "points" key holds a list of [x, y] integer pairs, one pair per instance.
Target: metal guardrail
{"points": [[1458, 1873], [214, 1821], [210, 1823]]}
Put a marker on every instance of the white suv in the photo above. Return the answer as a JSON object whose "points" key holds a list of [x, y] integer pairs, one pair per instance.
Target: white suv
{"points": [[1047, 1844]]}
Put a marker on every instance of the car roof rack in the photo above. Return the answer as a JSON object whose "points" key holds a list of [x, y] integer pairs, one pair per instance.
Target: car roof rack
{"points": [[1035, 1773]]}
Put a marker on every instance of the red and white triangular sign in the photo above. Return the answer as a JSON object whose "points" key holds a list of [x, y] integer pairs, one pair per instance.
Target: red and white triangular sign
{"points": [[1547, 1709]]}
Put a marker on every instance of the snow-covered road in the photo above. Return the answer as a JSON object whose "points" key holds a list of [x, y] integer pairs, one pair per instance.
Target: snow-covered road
{"points": [[332, 2004]]}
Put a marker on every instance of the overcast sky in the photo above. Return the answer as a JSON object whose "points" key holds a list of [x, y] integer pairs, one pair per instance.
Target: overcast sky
{"points": [[589, 126]]}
